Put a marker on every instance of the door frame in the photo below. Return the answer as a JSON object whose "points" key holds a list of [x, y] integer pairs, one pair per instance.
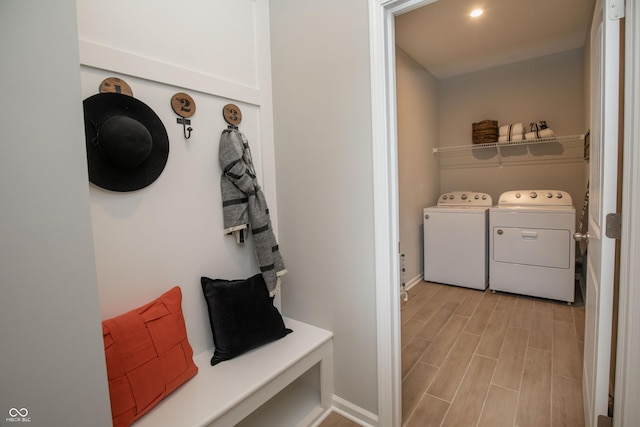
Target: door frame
{"points": [[385, 203], [627, 383], [385, 185]]}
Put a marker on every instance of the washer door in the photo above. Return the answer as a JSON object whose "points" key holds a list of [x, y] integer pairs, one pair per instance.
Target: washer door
{"points": [[455, 247], [532, 246]]}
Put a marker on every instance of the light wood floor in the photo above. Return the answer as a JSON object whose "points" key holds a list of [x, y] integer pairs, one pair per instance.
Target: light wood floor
{"points": [[336, 420], [475, 358]]}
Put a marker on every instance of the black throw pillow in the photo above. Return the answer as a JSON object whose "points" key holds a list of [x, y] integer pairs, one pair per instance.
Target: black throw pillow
{"points": [[242, 316]]}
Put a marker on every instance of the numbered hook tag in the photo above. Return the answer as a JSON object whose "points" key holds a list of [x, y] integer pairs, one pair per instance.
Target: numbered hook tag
{"points": [[115, 85], [184, 106], [232, 114]]}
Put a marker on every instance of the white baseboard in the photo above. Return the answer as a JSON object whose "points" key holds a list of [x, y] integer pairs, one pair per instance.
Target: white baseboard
{"points": [[352, 412], [413, 282]]}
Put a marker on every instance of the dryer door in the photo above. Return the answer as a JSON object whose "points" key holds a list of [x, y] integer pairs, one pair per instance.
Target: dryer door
{"points": [[532, 246]]}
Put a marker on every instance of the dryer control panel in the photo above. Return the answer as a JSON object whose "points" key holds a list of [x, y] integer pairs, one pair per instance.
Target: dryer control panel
{"points": [[535, 198], [465, 198]]}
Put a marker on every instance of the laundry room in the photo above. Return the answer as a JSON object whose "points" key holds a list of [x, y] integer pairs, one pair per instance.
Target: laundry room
{"points": [[538, 77], [492, 213]]}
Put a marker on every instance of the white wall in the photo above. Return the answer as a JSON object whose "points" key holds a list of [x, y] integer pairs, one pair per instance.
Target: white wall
{"points": [[52, 351], [549, 88], [170, 233], [322, 116], [418, 169]]}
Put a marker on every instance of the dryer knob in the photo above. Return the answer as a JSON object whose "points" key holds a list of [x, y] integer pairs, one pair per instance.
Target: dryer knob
{"points": [[476, 197], [452, 197], [533, 195], [549, 195], [484, 197], [559, 195], [464, 197], [517, 195], [445, 197]]}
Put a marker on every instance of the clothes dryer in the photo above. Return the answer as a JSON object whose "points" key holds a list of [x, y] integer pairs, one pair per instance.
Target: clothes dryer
{"points": [[532, 251], [456, 240]]}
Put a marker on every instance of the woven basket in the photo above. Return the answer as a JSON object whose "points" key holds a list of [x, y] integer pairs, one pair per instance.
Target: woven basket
{"points": [[484, 132]]}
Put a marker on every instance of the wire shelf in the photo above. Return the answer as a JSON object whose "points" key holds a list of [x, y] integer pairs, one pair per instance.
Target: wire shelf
{"points": [[561, 149]]}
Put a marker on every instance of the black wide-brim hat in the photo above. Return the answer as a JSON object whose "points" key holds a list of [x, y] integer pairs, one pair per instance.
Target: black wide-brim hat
{"points": [[127, 143]]}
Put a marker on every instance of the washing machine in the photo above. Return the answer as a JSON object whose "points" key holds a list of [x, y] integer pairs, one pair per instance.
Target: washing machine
{"points": [[456, 240], [532, 251]]}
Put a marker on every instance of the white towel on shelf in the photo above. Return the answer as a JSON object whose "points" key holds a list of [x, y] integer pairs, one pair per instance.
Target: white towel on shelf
{"points": [[514, 138], [534, 126], [511, 129], [544, 133]]}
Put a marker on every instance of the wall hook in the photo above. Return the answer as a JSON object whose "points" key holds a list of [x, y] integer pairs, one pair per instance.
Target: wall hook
{"points": [[185, 130], [184, 106]]}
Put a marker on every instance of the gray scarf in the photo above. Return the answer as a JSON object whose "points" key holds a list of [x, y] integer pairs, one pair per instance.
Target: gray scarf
{"points": [[244, 205]]}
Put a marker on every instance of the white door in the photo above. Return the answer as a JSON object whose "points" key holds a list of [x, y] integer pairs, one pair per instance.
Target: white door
{"points": [[605, 34]]}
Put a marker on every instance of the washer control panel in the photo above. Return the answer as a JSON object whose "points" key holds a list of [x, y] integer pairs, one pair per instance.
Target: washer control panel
{"points": [[465, 198], [535, 198]]}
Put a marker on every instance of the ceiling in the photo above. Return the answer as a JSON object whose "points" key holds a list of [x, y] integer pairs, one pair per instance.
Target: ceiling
{"points": [[445, 40]]}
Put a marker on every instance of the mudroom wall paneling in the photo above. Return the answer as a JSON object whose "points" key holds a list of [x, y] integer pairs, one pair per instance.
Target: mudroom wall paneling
{"points": [[171, 232]]}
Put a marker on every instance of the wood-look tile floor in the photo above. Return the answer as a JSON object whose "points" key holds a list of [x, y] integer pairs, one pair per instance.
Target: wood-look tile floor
{"points": [[477, 358], [336, 420]]}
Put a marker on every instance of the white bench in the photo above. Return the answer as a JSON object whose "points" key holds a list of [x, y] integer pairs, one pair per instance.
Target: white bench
{"points": [[288, 382]]}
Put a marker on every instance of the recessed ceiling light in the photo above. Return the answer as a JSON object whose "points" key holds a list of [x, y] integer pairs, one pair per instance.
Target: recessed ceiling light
{"points": [[476, 12]]}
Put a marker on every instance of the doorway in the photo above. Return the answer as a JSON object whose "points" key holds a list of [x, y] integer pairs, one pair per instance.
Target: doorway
{"points": [[460, 98], [385, 159]]}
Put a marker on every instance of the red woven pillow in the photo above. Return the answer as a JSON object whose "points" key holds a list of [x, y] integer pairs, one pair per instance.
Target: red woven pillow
{"points": [[148, 356]]}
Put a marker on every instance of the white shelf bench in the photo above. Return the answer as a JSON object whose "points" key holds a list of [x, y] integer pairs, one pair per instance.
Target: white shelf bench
{"points": [[288, 382]]}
